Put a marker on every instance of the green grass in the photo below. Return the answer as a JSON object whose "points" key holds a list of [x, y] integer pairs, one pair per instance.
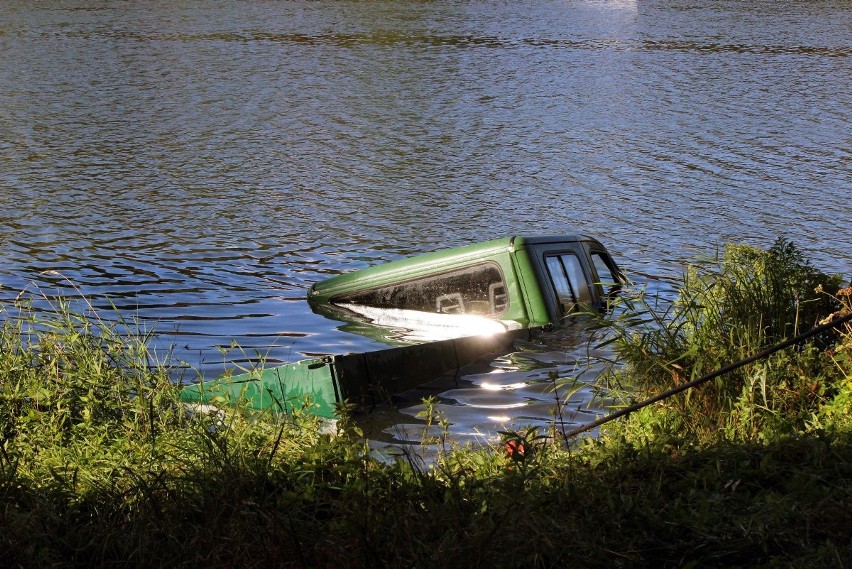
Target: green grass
{"points": [[100, 465]]}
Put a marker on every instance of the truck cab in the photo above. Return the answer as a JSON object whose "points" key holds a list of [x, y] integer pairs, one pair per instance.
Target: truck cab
{"points": [[521, 282]]}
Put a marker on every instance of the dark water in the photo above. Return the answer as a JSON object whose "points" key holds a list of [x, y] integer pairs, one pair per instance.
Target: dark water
{"points": [[202, 163]]}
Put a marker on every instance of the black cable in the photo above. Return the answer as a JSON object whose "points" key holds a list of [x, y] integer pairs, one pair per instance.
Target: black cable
{"points": [[704, 378]]}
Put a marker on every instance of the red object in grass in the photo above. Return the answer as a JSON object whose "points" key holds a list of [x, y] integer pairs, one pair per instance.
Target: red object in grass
{"points": [[515, 449]]}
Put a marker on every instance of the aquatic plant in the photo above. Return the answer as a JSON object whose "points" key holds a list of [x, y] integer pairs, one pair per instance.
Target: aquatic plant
{"points": [[725, 310]]}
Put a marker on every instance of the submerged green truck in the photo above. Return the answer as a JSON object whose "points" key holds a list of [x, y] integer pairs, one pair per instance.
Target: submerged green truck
{"points": [[438, 312]]}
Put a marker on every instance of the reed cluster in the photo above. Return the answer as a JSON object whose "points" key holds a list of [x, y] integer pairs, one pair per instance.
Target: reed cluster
{"points": [[101, 465], [725, 309]]}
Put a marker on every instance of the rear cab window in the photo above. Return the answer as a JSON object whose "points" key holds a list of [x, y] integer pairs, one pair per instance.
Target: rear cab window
{"points": [[476, 289]]}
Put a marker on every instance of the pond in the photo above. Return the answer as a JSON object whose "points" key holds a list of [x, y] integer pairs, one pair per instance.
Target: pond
{"points": [[201, 164]]}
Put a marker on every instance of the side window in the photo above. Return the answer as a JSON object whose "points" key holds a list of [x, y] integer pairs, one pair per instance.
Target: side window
{"points": [[608, 281], [577, 278], [568, 279], [564, 292], [477, 289]]}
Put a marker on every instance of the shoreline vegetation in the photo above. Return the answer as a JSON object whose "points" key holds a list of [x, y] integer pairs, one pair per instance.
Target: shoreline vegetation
{"points": [[101, 465]]}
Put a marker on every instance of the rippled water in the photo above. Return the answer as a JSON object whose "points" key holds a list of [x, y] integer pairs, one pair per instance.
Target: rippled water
{"points": [[202, 163]]}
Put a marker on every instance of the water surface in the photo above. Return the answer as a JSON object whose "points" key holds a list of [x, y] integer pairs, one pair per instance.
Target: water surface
{"points": [[202, 163]]}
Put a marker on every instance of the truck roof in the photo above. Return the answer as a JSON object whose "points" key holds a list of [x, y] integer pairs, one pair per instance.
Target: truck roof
{"points": [[444, 259]]}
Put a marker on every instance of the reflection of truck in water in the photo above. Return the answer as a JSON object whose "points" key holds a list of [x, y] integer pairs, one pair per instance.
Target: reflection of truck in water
{"points": [[440, 310]]}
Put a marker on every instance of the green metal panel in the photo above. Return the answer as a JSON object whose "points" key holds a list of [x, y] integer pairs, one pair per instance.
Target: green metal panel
{"points": [[279, 389], [529, 289]]}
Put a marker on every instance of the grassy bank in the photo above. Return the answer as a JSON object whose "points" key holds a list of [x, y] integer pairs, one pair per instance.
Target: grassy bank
{"points": [[101, 466]]}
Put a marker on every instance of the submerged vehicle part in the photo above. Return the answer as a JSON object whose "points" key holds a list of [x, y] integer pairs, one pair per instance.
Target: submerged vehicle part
{"points": [[444, 310], [367, 379]]}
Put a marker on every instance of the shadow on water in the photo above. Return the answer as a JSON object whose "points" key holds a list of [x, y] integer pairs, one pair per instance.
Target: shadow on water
{"points": [[546, 382]]}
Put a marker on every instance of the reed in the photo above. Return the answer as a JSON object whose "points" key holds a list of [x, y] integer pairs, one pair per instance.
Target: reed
{"points": [[725, 310]]}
